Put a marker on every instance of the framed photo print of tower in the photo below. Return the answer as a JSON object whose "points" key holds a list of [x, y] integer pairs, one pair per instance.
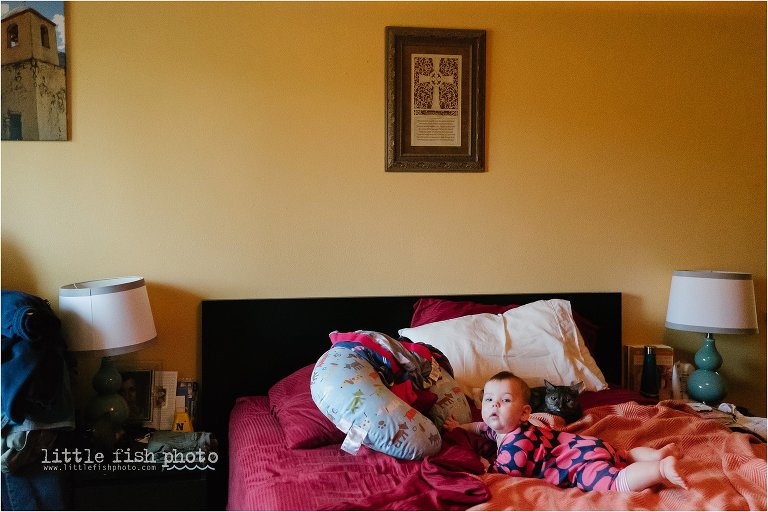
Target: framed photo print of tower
{"points": [[435, 97], [34, 71]]}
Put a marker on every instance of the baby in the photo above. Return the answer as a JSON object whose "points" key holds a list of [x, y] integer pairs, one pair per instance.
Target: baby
{"points": [[562, 458]]}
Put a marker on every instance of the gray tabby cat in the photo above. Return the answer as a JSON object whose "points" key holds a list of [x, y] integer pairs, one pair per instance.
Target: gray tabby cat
{"points": [[558, 400]]}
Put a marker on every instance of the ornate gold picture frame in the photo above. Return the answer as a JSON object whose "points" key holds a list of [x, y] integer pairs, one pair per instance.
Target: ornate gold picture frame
{"points": [[435, 97]]}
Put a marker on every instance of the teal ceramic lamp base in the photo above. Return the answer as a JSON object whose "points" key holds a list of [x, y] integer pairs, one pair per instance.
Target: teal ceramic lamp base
{"points": [[107, 411], [107, 402], [705, 384]]}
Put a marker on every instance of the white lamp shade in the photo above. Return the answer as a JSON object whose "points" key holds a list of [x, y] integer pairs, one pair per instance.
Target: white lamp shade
{"points": [[712, 302], [108, 317]]}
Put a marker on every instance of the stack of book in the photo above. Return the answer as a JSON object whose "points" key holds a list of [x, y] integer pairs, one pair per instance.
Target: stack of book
{"points": [[187, 389]]}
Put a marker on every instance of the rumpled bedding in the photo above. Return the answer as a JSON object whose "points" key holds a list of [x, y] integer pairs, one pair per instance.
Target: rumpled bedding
{"points": [[442, 482], [266, 475], [725, 470]]}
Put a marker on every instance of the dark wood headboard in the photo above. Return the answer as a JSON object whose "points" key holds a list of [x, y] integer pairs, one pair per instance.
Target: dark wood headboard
{"points": [[249, 344]]}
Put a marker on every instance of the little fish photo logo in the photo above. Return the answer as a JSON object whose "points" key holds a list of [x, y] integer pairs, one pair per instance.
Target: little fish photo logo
{"points": [[76, 459]]}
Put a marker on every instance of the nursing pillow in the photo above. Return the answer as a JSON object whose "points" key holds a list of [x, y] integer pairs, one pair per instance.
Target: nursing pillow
{"points": [[349, 391]]}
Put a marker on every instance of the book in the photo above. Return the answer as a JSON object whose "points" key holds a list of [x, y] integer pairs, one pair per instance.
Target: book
{"points": [[188, 389], [632, 362], [163, 399]]}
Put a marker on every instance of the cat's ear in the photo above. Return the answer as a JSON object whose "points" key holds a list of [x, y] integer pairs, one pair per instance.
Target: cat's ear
{"points": [[576, 386], [549, 385]]}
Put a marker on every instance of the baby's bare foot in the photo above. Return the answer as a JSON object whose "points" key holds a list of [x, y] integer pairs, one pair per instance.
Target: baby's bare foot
{"points": [[669, 469], [670, 450]]}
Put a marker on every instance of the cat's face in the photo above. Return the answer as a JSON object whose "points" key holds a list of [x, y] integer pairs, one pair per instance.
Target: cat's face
{"points": [[562, 399]]}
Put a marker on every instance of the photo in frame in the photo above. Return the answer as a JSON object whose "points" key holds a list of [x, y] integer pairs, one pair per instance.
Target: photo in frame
{"points": [[136, 389], [164, 399], [34, 71], [435, 100]]}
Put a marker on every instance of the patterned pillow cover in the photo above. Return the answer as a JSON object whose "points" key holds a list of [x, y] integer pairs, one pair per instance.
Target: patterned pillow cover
{"points": [[349, 391]]}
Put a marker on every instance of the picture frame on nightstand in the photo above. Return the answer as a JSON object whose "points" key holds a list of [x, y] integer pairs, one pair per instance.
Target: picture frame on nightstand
{"points": [[137, 389], [150, 393], [164, 399]]}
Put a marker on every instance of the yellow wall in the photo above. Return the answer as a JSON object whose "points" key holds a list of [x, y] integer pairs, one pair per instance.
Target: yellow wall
{"points": [[237, 150]]}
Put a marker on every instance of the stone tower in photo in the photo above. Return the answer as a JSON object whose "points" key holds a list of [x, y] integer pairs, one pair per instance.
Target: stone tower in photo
{"points": [[34, 88]]}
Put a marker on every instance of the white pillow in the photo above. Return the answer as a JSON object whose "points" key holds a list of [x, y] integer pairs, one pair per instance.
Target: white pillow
{"points": [[536, 341]]}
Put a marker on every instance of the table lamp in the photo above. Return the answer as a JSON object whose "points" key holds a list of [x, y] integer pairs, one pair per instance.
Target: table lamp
{"points": [[710, 302], [107, 317]]}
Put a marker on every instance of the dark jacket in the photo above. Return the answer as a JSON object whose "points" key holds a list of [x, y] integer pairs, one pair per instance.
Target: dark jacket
{"points": [[35, 379], [36, 401]]}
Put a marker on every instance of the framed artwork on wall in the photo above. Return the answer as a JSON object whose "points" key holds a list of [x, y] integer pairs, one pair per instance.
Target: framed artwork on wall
{"points": [[435, 99], [34, 72]]}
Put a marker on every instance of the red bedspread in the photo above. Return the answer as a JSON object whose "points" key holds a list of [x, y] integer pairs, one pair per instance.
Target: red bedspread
{"points": [[724, 470], [266, 475]]}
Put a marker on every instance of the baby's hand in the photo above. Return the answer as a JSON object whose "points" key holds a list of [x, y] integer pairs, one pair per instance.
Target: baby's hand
{"points": [[451, 423]]}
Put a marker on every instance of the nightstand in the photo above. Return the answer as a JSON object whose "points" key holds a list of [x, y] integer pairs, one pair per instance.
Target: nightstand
{"points": [[127, 477], [139, 490], [734, 417]]}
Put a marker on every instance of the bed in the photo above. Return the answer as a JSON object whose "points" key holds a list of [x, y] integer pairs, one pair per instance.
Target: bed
{"points": [[257, 356]]}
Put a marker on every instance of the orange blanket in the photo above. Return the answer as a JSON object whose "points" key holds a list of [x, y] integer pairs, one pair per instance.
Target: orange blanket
{"points": [[724, 470]]}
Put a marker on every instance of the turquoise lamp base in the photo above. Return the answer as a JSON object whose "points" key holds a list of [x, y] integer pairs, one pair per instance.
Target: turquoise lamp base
{"points": [[107, 411], [705, 384], [111, 406], [107, 402]]}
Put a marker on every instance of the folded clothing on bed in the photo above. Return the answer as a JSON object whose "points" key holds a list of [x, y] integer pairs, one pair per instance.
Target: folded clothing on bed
{"points": [[407, 369], [166, 441]]}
